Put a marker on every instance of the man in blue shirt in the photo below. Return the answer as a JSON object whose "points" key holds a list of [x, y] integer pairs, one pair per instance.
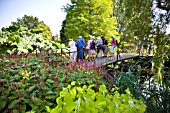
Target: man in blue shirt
{"points": [[81, 44]]}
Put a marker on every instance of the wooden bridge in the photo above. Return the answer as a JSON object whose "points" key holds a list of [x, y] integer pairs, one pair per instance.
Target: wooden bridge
{"points": [[107, 60], [110, 59]]}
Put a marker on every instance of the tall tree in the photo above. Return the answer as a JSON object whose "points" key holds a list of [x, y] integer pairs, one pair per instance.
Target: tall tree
{"points": [[134, 18], [32, 23], [148, 20], [62, 31], [90, 17], [29, 22]]}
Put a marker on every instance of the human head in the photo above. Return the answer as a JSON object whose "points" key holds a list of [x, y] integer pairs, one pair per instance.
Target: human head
{"points": [[92, 37], [102, 37], [71, 39], [111, 36], [80, 36], [98, 37]]}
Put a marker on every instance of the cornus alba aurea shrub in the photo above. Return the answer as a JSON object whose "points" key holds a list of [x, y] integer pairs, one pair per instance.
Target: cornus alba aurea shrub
{"points": [[86, 100]]}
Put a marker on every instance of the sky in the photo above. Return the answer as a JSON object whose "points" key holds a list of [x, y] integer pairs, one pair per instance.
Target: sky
{"points": [[48, 11]]}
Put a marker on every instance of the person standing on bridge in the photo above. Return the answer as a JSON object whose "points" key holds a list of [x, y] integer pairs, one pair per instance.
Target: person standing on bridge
{"points": [[80, 47], [91, 47], [73, 50], [99, 46], [135, 45], [113, 44], [105, 46]]}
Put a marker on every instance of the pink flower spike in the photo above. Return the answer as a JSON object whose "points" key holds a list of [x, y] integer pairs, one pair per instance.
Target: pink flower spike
{"points": [[42, 83], [15, 73], [54, 76], [20, 107], [66, 79], [24, 65], [30, 96], [23, 93], [47, 61]]}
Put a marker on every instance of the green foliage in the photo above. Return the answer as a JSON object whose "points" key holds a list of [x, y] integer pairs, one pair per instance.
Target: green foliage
{"points": [[133, 18], [85, 99], [22, 35], [62, 31], [142, 19], [23, 40], [33, 81], [138, 77], [32, 23], [87, 18], [46, 32], [126, 47], [29, 22]]}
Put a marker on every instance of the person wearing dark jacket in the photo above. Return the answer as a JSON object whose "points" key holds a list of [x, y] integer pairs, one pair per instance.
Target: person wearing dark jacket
{"points": [[105, 44]]}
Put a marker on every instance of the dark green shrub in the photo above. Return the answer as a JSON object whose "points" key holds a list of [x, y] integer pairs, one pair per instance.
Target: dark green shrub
{"points": [[31, 82]]}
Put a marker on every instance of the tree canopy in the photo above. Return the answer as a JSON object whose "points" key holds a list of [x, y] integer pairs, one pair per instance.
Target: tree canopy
{"points": [[26, 35], [32, 23], [147, 20], [89, 17]]}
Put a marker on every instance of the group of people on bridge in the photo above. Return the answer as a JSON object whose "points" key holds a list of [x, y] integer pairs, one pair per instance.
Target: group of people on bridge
{"points": [[100, 46]]}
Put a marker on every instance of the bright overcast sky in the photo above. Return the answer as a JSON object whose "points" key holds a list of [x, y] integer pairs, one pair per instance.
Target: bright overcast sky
{"points": [[48, 11]]}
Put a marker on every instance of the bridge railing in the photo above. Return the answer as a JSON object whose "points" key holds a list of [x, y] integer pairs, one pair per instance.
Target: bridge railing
{"points": [[97, 60]]}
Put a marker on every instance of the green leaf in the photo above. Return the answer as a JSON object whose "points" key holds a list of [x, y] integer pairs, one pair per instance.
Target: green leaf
{"points": [[49, 81], [25, 100], [32, 111], [131, 103], [12, 104], [73, 83], [48, 103], [103, 89], [38, 100], [127, 91], [69, 86], [50, 96], [50, 92], [84, 87], [73, 92], [111, 109], [23, 107], [15, 111], [31, 88], [61, 85], [55, 110], [59, 102], [63, 79], [48, 108], [3, 104]]}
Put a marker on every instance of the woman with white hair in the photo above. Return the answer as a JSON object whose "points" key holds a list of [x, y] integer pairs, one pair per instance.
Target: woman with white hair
{"points": [[73, 50]]}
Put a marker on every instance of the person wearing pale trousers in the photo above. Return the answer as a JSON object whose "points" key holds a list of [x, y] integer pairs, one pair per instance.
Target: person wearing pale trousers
{"points": [[73, 50]]}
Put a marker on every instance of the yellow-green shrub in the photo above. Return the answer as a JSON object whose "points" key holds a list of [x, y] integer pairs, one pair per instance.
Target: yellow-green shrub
{"points": [[86, 100]]}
